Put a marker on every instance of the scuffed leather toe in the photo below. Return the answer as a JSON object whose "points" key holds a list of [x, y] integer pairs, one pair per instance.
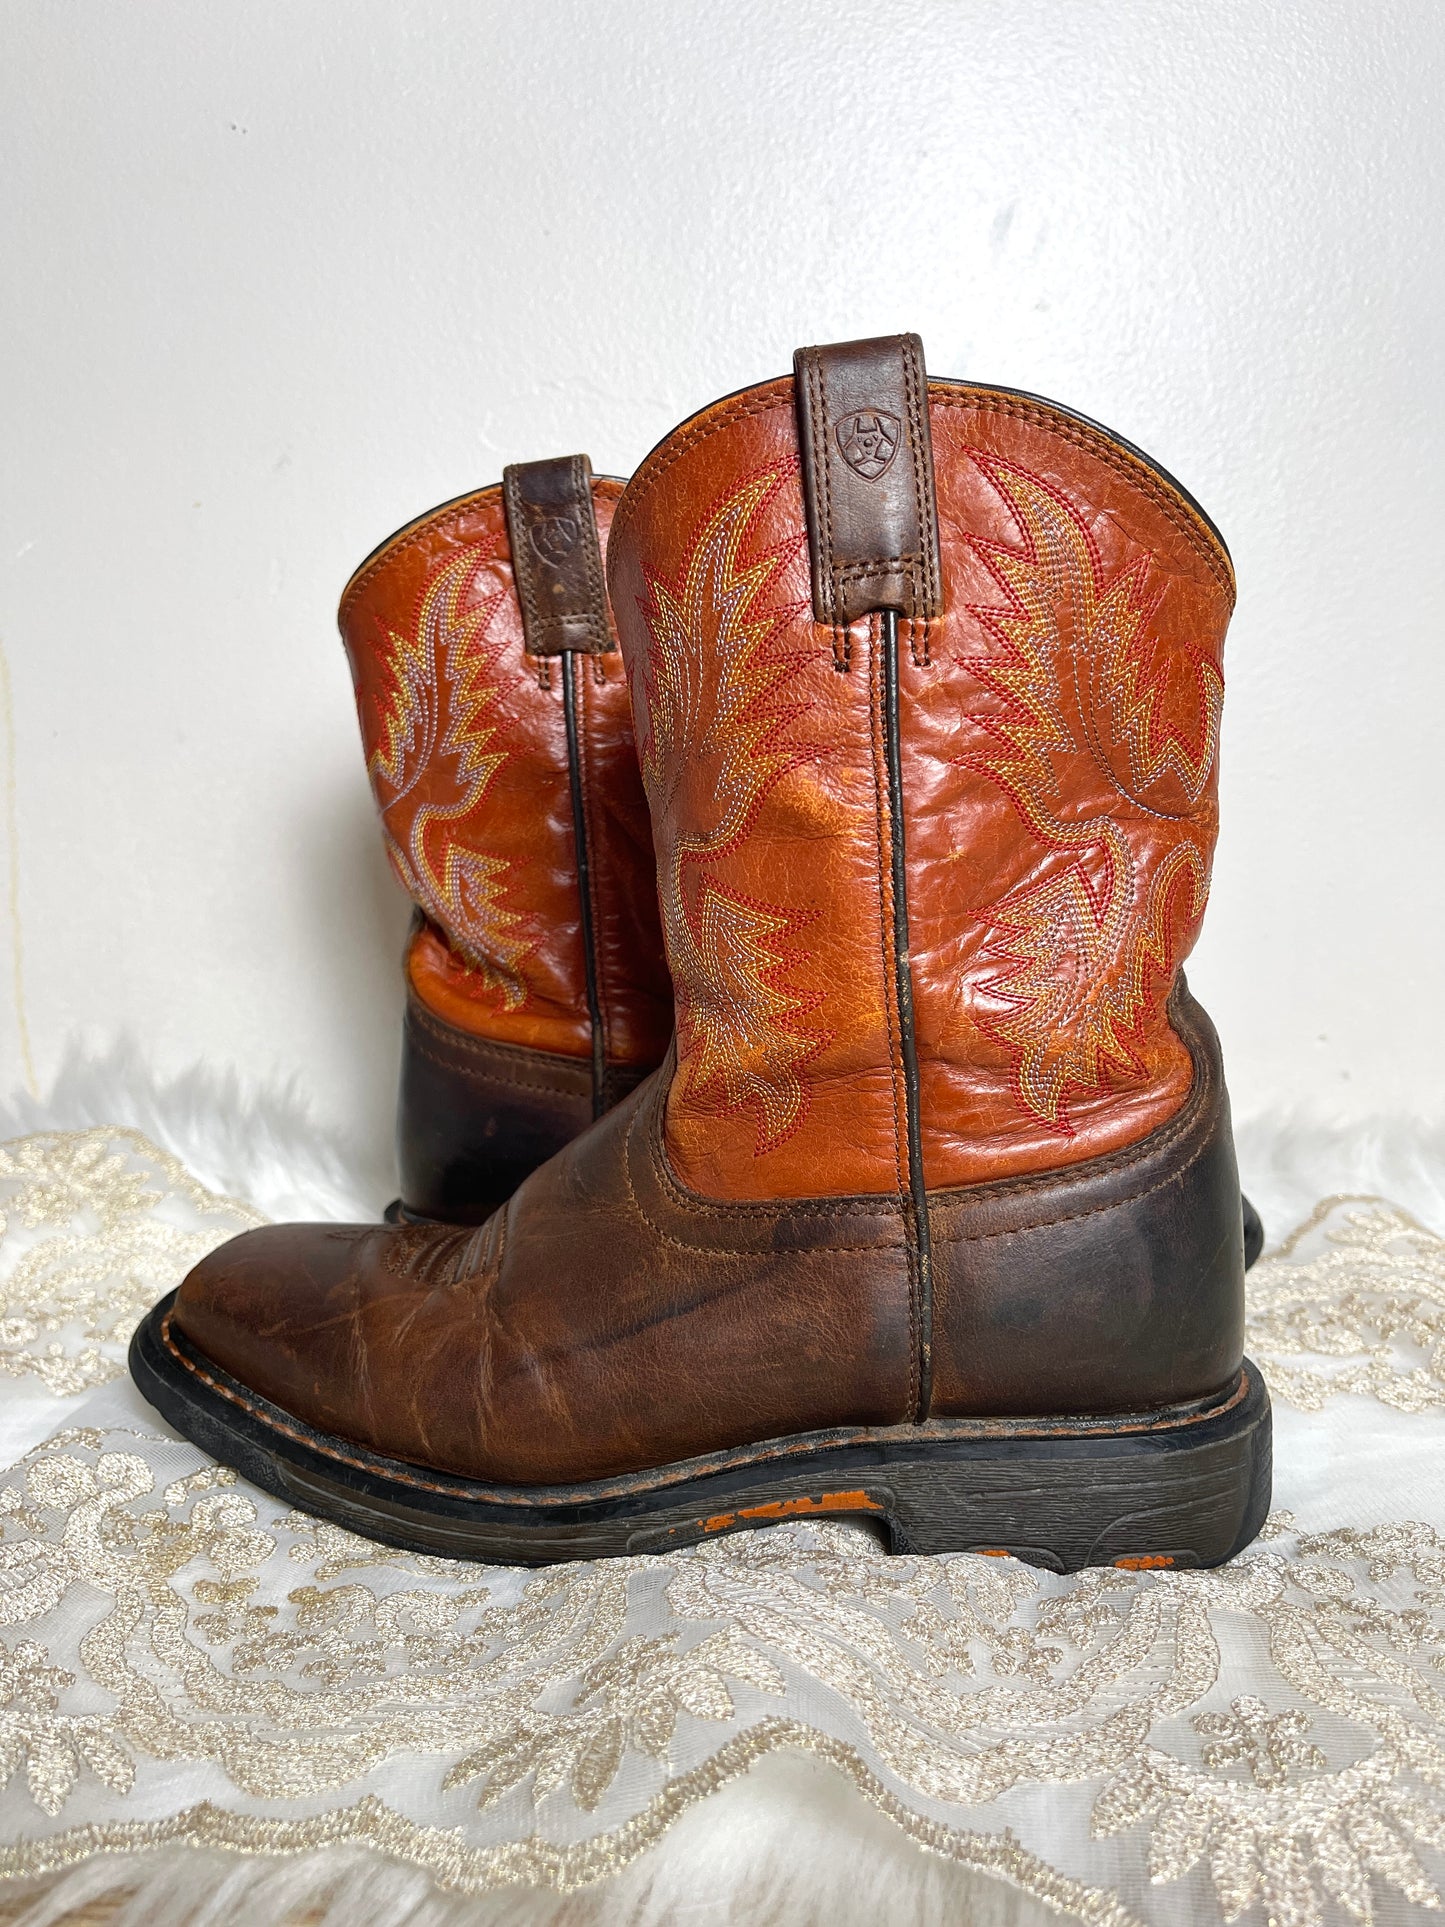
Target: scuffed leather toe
{"points": [[370, 1332]]}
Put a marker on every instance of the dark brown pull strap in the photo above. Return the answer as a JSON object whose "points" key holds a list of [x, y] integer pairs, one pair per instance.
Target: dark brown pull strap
{"points": [[556, 557], [868, 479]]}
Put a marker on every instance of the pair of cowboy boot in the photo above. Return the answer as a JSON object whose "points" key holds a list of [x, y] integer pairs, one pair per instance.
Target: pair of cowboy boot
{"points": [[929, 1213]]}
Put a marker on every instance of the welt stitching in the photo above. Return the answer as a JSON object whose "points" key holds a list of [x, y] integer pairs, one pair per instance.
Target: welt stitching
{"points": [[456, 1487], [316, 1442], [313, 1444], [1100, 446]]}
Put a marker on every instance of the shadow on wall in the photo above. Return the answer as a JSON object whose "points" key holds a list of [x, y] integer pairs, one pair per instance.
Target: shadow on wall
{"points": [[354, 986], [256, 1137]]}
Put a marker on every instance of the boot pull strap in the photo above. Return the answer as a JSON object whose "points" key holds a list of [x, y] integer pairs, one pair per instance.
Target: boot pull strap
{"points": [[556, 557], [868, 486]]}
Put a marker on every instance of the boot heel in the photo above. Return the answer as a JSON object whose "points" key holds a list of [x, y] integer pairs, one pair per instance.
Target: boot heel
{"points": [[1171, 1491]]}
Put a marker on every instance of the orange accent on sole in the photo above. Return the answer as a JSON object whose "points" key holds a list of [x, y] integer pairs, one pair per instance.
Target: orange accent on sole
{"points": [[790, 1508], [992, 1552], [1145, 1561]]}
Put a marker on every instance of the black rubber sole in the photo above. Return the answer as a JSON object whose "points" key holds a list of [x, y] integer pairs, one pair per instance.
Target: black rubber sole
{"points": [[397, 1213], [1183, 1487]]}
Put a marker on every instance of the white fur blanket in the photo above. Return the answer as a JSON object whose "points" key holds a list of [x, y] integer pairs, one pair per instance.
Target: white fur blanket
{"points": [[249, 1726]]}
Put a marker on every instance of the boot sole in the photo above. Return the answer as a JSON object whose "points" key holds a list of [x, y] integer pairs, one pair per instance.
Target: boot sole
{"points": [[1185, 1486]]}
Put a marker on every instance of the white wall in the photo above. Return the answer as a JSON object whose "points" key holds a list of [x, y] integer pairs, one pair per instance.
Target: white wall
{"points": [[278, 275]]}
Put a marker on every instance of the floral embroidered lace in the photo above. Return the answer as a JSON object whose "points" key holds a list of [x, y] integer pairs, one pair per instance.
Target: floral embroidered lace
{"points": [[184, 1660]]}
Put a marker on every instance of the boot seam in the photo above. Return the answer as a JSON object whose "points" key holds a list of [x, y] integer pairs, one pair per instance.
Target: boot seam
{"points": [[452, 1037], [1094, 441], [439, 521], [715, 1251], [1134, 469], [888, 945], [432, 1034], [575, 717], [1157, 1141], [477, 1075], [601, 974], [1077, 1217]]}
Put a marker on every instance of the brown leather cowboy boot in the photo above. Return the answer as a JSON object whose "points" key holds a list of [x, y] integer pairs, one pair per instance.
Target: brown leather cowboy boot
{"points": [[498, 741], [932, 1215]]}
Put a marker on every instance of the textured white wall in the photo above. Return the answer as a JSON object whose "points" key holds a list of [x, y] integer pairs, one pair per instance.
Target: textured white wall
{"points": [[276, 277]]}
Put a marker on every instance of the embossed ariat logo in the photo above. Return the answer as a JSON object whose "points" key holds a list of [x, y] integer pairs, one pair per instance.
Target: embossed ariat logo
{"points": [[553, 537], [869, 440]]}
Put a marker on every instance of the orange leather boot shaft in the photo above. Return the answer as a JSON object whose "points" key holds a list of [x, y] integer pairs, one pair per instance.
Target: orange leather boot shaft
{"points": [[466, 729], [1057, 714]]}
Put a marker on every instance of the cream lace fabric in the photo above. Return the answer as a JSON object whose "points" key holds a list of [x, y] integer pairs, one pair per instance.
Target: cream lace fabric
{"points": [[184, 1659]]}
